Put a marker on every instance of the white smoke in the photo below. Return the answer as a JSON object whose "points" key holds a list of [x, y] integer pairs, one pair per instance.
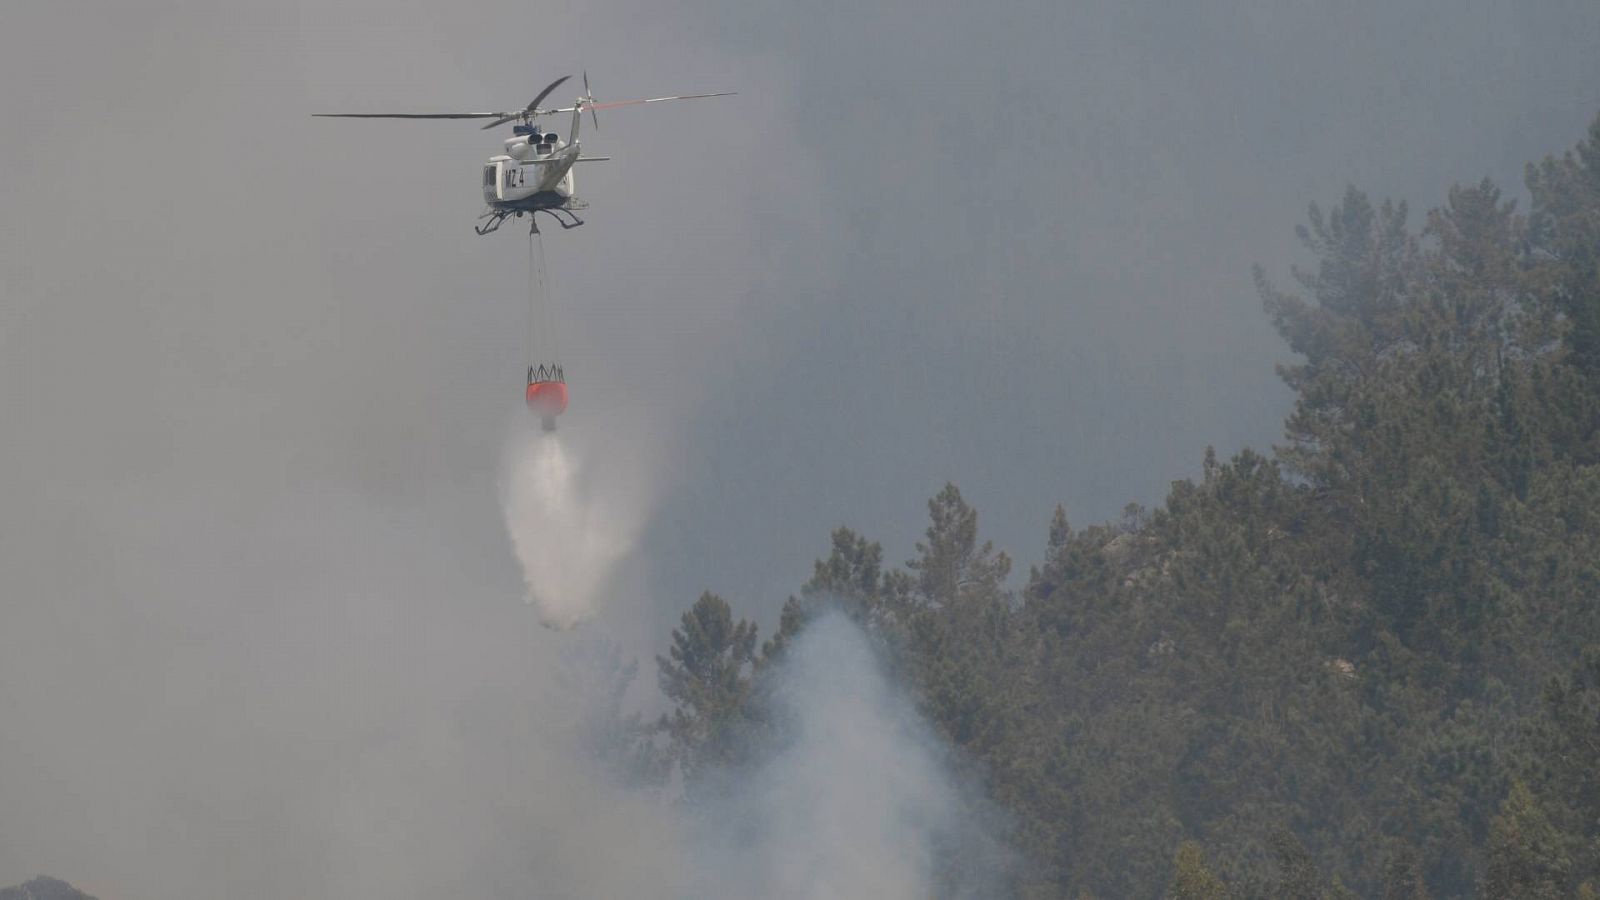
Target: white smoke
{"points": [[566, 531], [386, 726], [853, 799], [859, 800]]}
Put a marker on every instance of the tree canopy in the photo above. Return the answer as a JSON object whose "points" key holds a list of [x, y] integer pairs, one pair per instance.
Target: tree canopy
{"points": [[1366, 663]]}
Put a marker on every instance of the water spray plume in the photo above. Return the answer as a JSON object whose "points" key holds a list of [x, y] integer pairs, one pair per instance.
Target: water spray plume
{"points": [[564, 533]]}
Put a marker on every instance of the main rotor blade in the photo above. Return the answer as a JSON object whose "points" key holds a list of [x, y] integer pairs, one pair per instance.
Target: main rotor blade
{"points": [[410, 115], [532, 108], [616, 103], [546, 92]]}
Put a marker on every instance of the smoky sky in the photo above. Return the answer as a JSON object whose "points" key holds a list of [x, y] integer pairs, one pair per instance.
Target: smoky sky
{"points": [[256, 371], [1040, 220]]}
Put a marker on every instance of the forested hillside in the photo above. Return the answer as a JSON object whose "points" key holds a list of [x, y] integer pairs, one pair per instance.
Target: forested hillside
{"points": [[1364, 664], [44, 888]]}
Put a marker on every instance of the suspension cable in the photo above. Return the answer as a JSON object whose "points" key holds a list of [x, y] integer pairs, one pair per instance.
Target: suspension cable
{"points": [[532, 321], [544, 347], [547, 305]]}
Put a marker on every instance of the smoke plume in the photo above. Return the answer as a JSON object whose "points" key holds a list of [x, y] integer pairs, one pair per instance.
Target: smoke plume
{"points": [[858, 800]]}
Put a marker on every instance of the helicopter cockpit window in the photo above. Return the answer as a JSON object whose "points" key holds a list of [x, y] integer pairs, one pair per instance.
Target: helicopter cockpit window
{"points": [[488, 176]]}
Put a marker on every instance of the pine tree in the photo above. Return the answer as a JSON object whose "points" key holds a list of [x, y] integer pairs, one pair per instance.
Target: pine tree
{"points": [[1364, 278], [1402, 876], [1566, 196], [951, 564], [960, 626], [1298, 876], [1191, 879], [1526, 861], [705, 680], [852, 580], [1564, 760]]}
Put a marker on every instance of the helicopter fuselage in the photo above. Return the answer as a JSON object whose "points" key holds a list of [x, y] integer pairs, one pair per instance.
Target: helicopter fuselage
{"points": [[531, 175], [534, 175]]}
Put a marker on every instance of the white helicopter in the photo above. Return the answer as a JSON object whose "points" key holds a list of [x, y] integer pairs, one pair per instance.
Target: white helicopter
{"points": [[534, 174]]}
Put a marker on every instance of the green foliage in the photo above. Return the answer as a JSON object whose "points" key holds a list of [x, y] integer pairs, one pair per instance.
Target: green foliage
{"points": [[1403, 878], [1526, 859], [1191, 880], [43, 888], [952, 567], [1566, 192], [1298, 877], [851, 579], [959, 625], [1324, 665], [1563, 762], [706, 681]]}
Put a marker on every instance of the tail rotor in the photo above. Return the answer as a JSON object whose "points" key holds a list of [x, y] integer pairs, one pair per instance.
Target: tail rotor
{"points": [[588, 100]]}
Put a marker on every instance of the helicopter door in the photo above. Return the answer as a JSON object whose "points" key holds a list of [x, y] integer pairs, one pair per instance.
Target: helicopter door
{"points": [[491, 182]]}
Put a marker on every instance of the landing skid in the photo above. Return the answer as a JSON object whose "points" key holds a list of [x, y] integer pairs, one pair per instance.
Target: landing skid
{"points": [[566, 218]]}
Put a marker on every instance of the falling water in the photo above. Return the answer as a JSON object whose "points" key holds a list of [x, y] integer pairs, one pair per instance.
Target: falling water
{"points": [[566, 534]]}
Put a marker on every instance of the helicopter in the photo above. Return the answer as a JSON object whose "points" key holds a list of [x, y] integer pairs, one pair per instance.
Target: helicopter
{"points": [[535, 173]]}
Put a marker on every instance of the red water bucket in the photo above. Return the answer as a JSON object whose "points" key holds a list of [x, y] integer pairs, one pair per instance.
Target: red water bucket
{"points": [[547, 398]]}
